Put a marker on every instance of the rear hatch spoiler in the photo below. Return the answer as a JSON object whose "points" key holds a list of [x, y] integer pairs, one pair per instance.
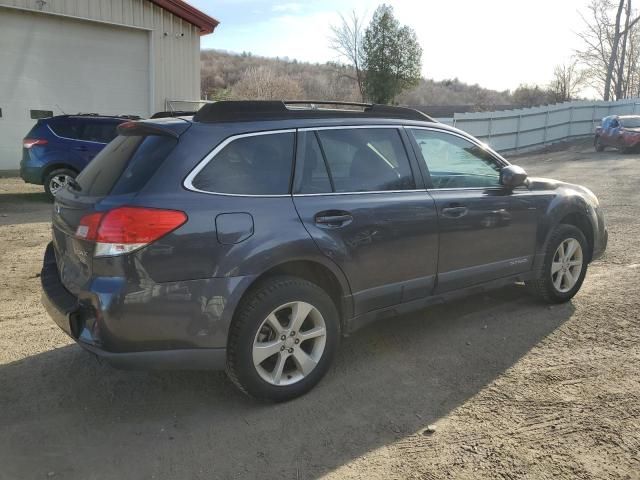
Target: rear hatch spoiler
{"points": [[173, 127]]}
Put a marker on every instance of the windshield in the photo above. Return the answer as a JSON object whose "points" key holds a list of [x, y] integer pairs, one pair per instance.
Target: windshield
{"points": [[633, 122]]}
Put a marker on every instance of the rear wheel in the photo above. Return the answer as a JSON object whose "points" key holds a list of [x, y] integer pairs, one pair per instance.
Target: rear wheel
{"points": [[57, 179], [283, 339], [599, 147], [565, 266]]}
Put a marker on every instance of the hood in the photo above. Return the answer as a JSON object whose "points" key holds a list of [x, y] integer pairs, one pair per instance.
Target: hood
{"points": [[539, 183]]}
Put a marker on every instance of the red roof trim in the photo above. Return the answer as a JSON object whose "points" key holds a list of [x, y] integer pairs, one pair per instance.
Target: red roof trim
{"points": [[191, 14]]}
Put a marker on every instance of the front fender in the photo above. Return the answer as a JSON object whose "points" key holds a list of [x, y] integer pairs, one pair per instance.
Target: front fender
{"points": [[569, 203]]}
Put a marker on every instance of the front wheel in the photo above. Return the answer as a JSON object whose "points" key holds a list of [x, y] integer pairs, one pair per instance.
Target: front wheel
{"points": [[565, 266], [283, 339]]}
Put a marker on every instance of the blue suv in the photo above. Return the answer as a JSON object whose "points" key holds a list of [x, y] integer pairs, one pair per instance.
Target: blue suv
{"points": [[57, 148]]}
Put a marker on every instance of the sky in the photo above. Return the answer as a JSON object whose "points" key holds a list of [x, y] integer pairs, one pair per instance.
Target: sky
{"points": [[498, 44]]}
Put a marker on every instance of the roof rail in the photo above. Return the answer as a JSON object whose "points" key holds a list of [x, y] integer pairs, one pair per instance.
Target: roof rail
{"points": [[251, 110], [90, 114]]}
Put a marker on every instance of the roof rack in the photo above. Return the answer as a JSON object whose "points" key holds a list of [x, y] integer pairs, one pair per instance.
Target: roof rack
{"points": [[251, 110]]}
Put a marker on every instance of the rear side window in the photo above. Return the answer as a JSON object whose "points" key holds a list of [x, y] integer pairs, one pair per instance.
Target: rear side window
{"points": [[253, 165], [67, 128], [102, 132], [366, 159], [125, 165]]}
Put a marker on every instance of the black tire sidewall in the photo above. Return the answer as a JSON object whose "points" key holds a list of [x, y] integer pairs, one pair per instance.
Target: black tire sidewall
{"points": [[53, 173], [562, 233], [264, 300], [598, 146]]}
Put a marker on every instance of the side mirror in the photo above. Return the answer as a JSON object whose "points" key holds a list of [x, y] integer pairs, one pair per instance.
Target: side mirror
{"points": [[512, 176]]}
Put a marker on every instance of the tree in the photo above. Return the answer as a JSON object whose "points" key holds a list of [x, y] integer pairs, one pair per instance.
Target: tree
{"points": [[531, 96], [346, 40], [263, 83], [392, 57], [566, 83], [610, 47]]}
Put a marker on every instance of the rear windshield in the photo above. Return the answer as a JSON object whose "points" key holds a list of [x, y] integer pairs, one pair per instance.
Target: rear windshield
{"points": [[125, 165]]}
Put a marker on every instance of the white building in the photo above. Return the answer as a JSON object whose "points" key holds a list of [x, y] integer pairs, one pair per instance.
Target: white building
{"points": [[103, 56]]}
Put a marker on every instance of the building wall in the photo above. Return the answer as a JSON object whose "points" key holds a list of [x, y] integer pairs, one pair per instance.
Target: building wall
{"points": [[175, 43]]}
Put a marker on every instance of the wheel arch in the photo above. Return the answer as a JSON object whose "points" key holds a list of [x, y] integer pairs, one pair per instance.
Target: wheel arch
{"points": [[582, 222], [55, 166], [331, 280]]}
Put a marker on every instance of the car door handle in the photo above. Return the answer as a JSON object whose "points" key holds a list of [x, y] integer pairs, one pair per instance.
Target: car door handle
{"points": [[333, 219], [81, 148], [455, 212]]}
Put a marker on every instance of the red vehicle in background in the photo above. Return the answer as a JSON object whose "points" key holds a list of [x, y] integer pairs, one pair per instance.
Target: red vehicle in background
{"points": [[619, 131]]}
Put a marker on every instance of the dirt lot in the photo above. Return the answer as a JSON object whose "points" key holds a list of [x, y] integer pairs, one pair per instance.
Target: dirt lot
{"points": [[515, 389]]}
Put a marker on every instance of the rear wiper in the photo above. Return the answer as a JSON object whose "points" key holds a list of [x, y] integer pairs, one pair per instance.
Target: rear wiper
{"points": [[74, 185]]}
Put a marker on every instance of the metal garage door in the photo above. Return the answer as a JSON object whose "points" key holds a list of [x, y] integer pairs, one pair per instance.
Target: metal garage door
{"points": [[59, 64]]}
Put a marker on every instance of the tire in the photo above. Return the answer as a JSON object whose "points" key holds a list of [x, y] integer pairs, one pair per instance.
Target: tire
{"points": [[545, 286], [276, 298], [599, 147], [51, 177]]}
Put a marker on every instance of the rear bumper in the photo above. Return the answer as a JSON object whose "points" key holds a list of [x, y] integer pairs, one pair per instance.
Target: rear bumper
{"points": [[31, 170], [31, 174], [80, 322]]}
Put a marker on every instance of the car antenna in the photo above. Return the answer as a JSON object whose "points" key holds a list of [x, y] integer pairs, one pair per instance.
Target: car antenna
{"points": [[63, 112]]}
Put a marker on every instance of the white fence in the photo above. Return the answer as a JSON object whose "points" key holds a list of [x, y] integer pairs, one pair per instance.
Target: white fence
{"points": [[527, 128]]}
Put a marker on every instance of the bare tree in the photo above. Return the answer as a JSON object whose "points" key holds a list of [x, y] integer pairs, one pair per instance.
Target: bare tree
{"points": [[567, 81], [346, 40], [605, 54], [263, 83]]}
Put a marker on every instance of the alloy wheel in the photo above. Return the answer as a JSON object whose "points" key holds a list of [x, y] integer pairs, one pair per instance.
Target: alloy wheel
{"points": [[566, 265], [289, 343], [58, 182]]}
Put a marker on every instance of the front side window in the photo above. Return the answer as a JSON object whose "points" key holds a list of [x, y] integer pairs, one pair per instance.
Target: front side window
{"points": [[454, 162], [363, 160], [253, 165]]}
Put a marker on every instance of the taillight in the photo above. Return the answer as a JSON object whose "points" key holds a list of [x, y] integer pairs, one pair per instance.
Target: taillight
{"points": [[32, 142], [126, 229]]}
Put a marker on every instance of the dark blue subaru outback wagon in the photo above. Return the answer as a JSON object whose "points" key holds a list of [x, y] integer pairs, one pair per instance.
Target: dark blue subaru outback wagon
{"points": [[252, 235]]}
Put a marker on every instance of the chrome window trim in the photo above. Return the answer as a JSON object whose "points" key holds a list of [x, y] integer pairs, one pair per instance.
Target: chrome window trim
{"points": [[358, 193], [348, 127], [73, 139], [188, 181]]}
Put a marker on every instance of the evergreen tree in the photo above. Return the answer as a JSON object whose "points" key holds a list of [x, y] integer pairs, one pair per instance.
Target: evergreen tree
{"points": [[392, 57]]}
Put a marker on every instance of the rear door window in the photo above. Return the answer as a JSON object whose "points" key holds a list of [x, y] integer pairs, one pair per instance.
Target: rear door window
{"points": [[253, 165], [314, 177], [125, 165], [366, 159]]}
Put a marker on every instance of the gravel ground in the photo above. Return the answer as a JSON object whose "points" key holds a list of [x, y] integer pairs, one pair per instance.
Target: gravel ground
{"points": [[512, 388]]}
